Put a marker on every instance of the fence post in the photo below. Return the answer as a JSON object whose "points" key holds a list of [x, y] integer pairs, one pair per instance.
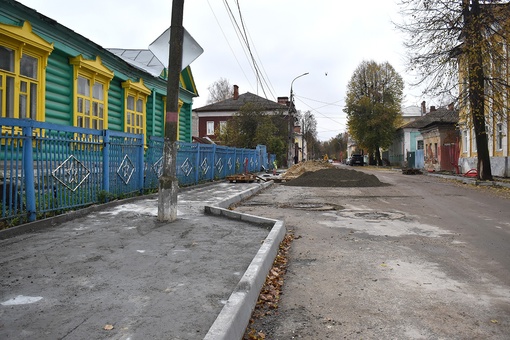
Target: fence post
{"points": [[106, 161], [28, 168], [197, 164], [213, 163], [141, 165]]}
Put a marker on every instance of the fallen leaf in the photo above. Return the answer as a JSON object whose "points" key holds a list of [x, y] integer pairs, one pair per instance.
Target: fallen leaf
{"points": [[108, 327], [494, 321]]}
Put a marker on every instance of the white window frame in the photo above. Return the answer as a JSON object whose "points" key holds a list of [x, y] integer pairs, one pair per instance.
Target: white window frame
{"points": [[473, 141], [210, 128], [499, 136], [223, 126], [465, 141]]}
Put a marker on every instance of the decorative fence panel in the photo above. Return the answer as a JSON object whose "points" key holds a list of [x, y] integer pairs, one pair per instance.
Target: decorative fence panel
{"points": [[13, 181], [48, 169], [153, 167], [187, 163]]}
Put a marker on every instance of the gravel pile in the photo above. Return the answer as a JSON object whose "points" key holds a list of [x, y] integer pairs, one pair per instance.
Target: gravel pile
{"points": [[335, 177]]}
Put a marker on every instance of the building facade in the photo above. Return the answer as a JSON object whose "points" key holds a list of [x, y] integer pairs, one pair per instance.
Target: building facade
{"points": [[50, 73], [211, 118], [497, 99]]}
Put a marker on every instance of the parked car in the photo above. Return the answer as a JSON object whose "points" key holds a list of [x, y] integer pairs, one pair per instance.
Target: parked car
{"points": [[357, 160]]}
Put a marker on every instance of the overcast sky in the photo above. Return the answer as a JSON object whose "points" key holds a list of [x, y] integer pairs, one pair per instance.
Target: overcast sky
{"points": [[327, 38]]}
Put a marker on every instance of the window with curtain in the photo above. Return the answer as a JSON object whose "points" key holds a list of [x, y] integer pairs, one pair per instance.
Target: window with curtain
{"points": [[90, 104], [135, 102], [92, 80], [210, 128], [23, 55]]}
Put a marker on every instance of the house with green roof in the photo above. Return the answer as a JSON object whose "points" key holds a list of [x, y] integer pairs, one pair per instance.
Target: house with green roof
{"points": [[50, 73]]}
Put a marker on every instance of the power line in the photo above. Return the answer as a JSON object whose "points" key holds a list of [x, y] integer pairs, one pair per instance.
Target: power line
{"points": [[257, 71], [319, 101], [241, 32], [314, 109], [261, 75], [228, 43]]}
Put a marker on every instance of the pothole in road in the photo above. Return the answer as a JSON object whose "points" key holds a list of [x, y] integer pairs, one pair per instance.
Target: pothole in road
{"points": [[312, 206], [372, 215]]}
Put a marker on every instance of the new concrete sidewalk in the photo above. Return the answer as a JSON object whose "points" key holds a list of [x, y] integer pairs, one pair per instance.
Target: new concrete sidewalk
{"points": [[77, 276]]}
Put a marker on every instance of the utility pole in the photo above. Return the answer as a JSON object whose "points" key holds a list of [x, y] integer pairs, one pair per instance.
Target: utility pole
{"points": [[168, 184]]}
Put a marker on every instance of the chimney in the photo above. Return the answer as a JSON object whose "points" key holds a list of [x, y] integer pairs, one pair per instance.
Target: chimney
{"points": [[236, 92], [423, 108], [432, 108], [283, 100]]}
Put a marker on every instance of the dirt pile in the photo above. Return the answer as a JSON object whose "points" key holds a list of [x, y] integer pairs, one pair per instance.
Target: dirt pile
{"points": [[298, 169], [335, 177]]}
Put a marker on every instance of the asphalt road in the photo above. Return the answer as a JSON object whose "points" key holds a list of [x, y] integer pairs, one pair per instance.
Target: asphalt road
{"points": [[424, 258]]}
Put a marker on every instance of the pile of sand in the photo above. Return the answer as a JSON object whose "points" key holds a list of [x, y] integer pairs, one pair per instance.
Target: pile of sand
{"points": [[323, 174], [309, 166]]}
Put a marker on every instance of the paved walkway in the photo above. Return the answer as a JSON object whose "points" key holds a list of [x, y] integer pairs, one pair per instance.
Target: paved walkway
{"points": [[115, 272]]}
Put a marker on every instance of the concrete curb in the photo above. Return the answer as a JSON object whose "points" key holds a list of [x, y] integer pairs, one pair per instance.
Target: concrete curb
{"points": [[243, 195], [235, 315], [472, 181]]}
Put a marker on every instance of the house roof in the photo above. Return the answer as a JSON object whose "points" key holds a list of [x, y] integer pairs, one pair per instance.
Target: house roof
{"points": [[439, 116], [411, 111], [142, 59], [232, 104], [146, 61], [121, 60]]}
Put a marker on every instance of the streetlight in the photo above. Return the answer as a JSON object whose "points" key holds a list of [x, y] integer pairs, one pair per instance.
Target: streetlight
{"points": [[292, 110]]}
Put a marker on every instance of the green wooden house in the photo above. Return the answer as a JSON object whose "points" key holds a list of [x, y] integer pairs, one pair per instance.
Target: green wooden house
{"points": [[50, 73]]}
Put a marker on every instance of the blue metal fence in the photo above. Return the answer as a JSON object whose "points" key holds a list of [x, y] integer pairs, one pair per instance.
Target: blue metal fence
{"points": [[48, 169]]}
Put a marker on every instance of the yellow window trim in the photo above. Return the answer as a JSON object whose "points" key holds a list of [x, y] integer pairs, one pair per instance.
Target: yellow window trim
{"points": [[136, 90], [23, 40], [91, 68], [96, 72], [139, 86]]}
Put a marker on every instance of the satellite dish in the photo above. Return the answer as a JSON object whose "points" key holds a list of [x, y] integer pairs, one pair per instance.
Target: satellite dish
{"points": [[191, 50]]}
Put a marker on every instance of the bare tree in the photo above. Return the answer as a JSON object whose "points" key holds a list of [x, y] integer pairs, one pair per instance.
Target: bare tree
{"points": [[219, 90], [458, 48]]}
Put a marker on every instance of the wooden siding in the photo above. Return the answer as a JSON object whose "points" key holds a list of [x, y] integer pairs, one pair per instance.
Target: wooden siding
{"points": [[155, 121], [116, 105], [59, 76], [185, 123], [59, 91]]}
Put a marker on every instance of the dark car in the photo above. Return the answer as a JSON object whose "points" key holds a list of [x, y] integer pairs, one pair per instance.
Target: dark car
{"points": [[356, 160]]}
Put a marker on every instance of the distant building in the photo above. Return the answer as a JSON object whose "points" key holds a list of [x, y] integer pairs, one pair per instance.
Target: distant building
{"points": [[212, 117], [429, 141]]}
